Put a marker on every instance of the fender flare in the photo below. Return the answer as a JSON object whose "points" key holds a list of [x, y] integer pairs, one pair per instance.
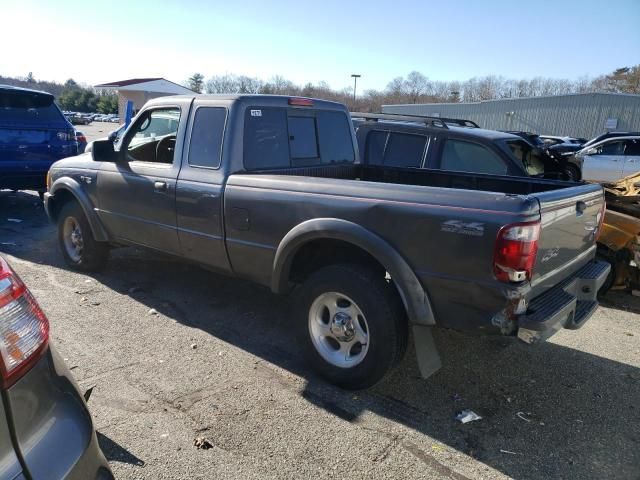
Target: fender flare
{"points": [[414, 297], [74, 188]]}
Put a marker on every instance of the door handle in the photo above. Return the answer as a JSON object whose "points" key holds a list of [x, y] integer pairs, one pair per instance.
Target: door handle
{"points": [[160, 187]]}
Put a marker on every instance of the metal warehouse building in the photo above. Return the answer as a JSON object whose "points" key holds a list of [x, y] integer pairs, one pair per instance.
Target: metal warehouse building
{"points": [[580, 115]]}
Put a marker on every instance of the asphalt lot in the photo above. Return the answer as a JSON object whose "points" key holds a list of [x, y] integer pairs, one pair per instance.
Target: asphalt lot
{"points": [[96, 130], [218, 361]]}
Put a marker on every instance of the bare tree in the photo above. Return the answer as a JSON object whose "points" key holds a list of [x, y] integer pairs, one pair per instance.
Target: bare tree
{"points": [[222, 84]]}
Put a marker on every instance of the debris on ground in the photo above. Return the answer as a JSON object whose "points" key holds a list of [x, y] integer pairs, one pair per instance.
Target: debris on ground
{"points": [[202, 443], [524, 416], [466, 416], [88, 392], [194, 346], [134, 290], [456, 397], [508, 451], [152, 311], [14, 220]]}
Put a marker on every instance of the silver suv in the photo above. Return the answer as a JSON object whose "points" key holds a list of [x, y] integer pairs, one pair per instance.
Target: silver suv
{"points": [[46, 431]]}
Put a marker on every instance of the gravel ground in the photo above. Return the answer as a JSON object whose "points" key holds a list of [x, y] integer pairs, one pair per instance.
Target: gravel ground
{"points": [[215, 359]]}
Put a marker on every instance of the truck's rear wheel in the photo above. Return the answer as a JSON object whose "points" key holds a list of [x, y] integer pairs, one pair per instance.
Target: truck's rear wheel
{"points": [[351, 325], [80, 250]]}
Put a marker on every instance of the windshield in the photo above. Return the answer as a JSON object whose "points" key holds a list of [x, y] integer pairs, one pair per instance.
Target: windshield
{"points": [[528, 156]]}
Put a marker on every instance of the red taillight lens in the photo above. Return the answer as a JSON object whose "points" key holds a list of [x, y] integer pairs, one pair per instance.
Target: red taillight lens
{"points": [[24, 328], [81, 138], [301, 102], [515, 251]]}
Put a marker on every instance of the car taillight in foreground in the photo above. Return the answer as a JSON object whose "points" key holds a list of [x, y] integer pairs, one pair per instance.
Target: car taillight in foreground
{"points": [[515, 251], [81, 138], [24, 328]]}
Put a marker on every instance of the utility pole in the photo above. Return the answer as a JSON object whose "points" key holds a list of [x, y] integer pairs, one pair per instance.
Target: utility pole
{"points": [[355, 84]]}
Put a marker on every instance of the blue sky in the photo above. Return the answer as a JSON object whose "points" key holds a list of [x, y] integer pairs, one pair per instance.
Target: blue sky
{"points": [[305, 41]]}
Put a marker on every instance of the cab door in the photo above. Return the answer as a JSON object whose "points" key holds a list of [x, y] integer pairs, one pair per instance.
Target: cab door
{"points": [[200, 187], [137, 194]]}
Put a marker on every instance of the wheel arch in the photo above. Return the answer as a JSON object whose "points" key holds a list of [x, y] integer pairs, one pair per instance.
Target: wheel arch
{"points": [[363, 244], [67, 189]]}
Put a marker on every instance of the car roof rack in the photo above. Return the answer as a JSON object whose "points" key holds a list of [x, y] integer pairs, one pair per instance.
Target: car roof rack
{"points": [[429, 121], [460, 122]]}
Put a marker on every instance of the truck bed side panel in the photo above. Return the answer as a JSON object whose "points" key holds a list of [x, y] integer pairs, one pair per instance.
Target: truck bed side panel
{"points": [[430, 228]]}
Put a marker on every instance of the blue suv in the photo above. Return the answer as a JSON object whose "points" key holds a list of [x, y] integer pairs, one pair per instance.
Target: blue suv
{"points": [[33, 135]]}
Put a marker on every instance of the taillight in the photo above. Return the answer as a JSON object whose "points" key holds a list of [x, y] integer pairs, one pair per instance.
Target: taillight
{"points": [[24, 328], [66, 136], [81, 138], [515, 251]]}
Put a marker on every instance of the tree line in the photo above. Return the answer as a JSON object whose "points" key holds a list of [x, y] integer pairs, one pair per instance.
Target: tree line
{"points": [[418, 88], [69, 95]]}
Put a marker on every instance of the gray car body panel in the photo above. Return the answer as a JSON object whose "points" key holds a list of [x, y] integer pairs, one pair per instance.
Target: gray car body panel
{"points": [[53, 429], [10, 467], [436, 241]]}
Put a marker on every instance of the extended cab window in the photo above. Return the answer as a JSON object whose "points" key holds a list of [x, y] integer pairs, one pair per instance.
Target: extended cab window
{"points": [[277, 137], [153, 137], [462, 156], [205, 147]]}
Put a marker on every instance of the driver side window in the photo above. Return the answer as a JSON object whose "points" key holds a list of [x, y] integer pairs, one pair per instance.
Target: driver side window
{"points": [[153, 137]]}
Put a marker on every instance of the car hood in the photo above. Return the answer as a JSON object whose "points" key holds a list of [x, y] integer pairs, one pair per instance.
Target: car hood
{"points": [[84, 160]]}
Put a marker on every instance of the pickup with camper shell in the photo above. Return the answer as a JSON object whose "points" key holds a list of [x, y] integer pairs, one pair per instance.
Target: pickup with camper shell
{"points": [[271, 189]]}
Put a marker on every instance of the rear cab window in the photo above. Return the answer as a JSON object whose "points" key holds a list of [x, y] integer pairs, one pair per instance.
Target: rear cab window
{"points": [[279, 137]]}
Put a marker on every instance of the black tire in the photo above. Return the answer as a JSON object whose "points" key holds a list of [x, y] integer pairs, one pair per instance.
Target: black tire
{"points": [[93, 255], [572, 172], [379, 303]]}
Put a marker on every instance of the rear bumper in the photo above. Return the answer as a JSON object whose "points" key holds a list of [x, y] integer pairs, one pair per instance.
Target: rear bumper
{"points": [[567, 305]]}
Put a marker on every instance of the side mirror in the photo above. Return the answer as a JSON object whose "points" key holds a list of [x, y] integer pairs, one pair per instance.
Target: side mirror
{"points": [[591, 151], [103, 151]]}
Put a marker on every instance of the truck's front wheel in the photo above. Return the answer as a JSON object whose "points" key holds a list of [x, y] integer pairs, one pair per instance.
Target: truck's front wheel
{"points": [[79, 249], [351, 325]]}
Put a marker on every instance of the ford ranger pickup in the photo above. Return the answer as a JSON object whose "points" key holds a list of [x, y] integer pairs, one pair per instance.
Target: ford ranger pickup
{"points": [[270, 189]]}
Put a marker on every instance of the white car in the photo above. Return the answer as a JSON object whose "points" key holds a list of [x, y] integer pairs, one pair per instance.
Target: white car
{"points": [[610, 160]]}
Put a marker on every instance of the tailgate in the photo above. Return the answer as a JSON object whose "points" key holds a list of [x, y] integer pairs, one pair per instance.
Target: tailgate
{"points": [[569, 224]]}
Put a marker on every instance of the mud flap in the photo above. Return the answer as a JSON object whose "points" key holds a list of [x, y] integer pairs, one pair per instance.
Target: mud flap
{"points": [[426, 352]]}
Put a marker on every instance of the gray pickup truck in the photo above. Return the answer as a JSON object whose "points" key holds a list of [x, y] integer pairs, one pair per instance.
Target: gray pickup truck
{"points": [[269, 188]]}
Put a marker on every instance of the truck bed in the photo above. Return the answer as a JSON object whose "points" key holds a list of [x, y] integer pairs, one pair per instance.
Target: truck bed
{"points": [[425, 177]]}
